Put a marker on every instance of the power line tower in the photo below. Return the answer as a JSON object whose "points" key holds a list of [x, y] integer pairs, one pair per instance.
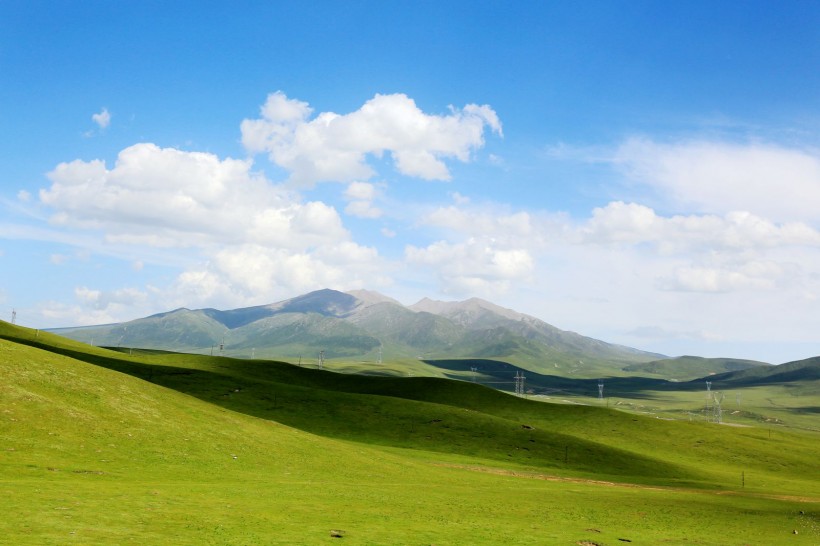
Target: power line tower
{"points": [[718, 411], [519, 383], [380, 354], [473, 369], [13, 316], [708, 393], [600, 389], [321, 360]]}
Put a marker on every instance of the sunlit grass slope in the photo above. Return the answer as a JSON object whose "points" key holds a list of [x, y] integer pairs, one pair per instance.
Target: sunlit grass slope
{"points": [[93, 456]]}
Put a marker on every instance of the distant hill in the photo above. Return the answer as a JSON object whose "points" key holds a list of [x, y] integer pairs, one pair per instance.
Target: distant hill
{"points": [[364, 325], [686, 368], [790, 372]]}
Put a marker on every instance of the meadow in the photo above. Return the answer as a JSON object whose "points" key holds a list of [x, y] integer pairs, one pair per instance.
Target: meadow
{"points": [[114, 447]]}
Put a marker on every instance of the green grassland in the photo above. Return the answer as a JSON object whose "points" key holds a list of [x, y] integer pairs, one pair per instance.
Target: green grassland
{"points": [[145, 447]]}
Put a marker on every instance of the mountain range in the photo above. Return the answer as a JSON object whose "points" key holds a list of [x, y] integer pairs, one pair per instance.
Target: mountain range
{"points": [[366, 325]]}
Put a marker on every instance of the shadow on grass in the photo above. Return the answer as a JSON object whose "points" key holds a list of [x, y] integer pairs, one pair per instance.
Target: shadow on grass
{"points": [[501, 375], [388, 412]]}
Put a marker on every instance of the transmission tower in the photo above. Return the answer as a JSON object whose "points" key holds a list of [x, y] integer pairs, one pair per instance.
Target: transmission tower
{"points": [[473, 369], [718, 412], [321, 360], [380, 354], [13, 316], [708, 393], [600, 389], [519, 383]]}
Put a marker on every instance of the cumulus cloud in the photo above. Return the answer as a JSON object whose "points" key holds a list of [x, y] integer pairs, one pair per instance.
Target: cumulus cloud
{"points": [[750, 275], [737, 251], [775, 182], [166, 197], [474, 222], [473, 266], [103, 300], [361, 196], [632, 223], [251, 273], [102, 119], [256, 240], [334, 147]]}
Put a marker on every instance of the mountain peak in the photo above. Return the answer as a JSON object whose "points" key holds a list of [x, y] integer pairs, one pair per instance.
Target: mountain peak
{"points": [[471, 306], [370, 297]]}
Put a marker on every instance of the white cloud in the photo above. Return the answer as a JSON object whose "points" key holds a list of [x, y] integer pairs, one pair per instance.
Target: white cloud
{"points": [[771, 181], [474, 222], [631, 223], [710, 279], [257, 241], [361, 191], [459, 199], [24, 196], [165, 197], [252, 274], [333, 147], [58, 259], [361, 196], [103, 300], [473, 266], [97, 307], [363, 209], [102, 119]]}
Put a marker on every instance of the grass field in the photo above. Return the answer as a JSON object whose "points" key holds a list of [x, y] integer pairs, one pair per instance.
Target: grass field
{"points": [[100, 447]]}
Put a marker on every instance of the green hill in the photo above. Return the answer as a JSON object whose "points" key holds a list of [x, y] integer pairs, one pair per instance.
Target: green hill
{"points": [[105, 447], [686, 368], [790, 372]]}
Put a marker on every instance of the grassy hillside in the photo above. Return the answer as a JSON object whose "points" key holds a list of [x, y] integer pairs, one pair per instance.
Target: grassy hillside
{"points": [[686, 368], [181, 449]]}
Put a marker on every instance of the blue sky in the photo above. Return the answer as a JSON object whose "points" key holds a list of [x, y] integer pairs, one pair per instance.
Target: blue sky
{"points": [[647, 173]]}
